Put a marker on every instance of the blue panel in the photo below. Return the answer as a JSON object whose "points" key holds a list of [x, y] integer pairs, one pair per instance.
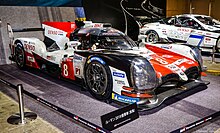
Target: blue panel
{"points": [[55, 3], [80, 14], [197, 37]]}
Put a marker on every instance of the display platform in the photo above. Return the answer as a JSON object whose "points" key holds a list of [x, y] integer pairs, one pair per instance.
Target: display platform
{"points": [[173, 114]]}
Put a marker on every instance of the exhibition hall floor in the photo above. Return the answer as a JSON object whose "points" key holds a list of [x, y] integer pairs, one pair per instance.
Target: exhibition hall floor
{"points": [[174, 113]]}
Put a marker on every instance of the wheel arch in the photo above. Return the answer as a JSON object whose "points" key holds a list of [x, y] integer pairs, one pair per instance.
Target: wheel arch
{"points": [[119, 62], [109, 86]]}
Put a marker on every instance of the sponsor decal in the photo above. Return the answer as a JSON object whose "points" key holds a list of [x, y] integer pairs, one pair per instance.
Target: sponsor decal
{"points": [[77, 71], [161, 61], [31, 59], [76, 57], [180, 61], [110, 34], [166, 46], [188, 127], [177, 70], [53, 32], [124, 99], [96, 59], [47, 104], [167, 56], [119, 117], [97, 25], [120, 75], [29, 47], [184, 30], [53, 58], [120, 82]]}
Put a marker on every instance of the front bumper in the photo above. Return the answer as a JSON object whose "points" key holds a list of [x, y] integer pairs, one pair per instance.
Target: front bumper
{"points": [[158, 99]]}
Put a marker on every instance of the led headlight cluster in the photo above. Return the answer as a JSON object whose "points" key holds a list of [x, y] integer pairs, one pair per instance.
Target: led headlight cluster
{"points": [[143, 74]]}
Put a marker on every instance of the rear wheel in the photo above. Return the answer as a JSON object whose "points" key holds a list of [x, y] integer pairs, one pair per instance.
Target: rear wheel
{"points": [[152, 36], [20, 56], [98, 80], [217, 46]]}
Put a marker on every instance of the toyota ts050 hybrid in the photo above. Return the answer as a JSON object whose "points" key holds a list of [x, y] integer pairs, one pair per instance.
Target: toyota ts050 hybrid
{"points": [[199, 30], [109, 63]]}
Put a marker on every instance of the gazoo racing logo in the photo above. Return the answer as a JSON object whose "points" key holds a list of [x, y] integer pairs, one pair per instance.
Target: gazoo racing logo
{"points": [[120, 75]]}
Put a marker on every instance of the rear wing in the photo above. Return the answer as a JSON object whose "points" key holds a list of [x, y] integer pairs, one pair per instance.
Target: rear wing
{"points": [[11, 31], [91, 24]]}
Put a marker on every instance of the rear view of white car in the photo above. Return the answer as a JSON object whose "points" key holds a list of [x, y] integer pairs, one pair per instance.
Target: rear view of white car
{"points": [[185, 28]]}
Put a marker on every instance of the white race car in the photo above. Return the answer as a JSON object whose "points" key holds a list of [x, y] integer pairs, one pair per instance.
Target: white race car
{"points": [[200, 30], [108, 64]]}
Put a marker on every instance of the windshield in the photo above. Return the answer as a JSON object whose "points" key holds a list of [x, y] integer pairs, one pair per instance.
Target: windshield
{"points": [[115, 41], [208, 20], [170, 21]]}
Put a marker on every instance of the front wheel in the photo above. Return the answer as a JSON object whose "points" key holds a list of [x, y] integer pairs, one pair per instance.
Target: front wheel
{"points": [[98, 80], [152, 36], [20, 56]]}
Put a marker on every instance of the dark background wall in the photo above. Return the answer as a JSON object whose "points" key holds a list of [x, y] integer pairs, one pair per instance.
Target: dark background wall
{"points": [[122, 14]]}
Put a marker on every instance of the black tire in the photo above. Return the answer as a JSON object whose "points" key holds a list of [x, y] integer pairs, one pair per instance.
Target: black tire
{"points": [[98, 80], [152, 36], [217, 46], [20, 58]]}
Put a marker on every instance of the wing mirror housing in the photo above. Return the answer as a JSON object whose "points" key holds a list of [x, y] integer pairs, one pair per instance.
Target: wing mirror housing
{"points": [[73, 44]]}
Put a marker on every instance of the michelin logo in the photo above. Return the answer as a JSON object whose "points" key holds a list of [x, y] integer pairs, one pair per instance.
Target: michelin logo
{"points": [[117, 74], [124, 98], [97, 59]]}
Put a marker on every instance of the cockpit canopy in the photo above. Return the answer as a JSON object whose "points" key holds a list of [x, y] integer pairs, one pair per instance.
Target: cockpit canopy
{"points": [[103, 38]]}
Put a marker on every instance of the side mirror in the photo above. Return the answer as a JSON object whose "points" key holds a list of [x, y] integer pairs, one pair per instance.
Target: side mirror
{"points": [[73, 44]]}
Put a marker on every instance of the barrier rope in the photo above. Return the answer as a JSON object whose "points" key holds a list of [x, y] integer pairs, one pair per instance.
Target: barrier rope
{"points": [[60, 110]]}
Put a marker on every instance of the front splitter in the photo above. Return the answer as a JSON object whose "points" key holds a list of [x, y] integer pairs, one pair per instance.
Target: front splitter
{"points": [[160, 98]]}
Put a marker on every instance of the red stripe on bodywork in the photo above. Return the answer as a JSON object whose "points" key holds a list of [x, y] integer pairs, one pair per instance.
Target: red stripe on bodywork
{"points": [[160, 67], [64, 26]]}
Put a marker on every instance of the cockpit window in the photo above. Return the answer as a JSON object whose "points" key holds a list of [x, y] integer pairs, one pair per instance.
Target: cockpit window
{"points": [[207, 20], [103, 38], [114, 42]]}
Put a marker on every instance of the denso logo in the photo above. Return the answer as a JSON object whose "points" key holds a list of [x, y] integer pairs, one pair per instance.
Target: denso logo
{"points": [[55, 32], [117, 74], [184, 30]]}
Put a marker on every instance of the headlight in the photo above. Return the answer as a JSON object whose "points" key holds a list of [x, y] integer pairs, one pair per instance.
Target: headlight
{"points": [[143, 74], [197, 55]]}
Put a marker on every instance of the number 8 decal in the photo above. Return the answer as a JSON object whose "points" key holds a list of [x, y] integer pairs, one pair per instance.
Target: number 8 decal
{"points": [[65, 70]]}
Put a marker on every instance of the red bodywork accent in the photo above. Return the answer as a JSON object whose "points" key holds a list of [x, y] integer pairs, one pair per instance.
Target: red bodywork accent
{"points": [[160, 67], [203, 74], [136, 95], [67, 70], [64, 26], [30, 63]]}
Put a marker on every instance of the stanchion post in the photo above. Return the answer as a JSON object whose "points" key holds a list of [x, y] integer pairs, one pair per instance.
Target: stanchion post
{"points": [[21, 117], [213, 54], [21, 102]]}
